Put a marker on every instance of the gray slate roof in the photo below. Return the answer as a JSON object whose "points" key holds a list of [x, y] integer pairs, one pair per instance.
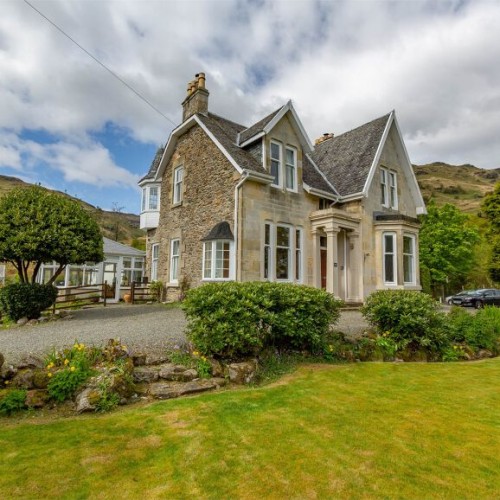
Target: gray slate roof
{"points": [[347, 158], [257, 127], [312, 177], [226, 132], [114, 248], [344, 160], [154, 164]]}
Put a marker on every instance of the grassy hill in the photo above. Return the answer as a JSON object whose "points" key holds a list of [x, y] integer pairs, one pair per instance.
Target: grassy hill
{"points": [[461, 185], [123, 227]]}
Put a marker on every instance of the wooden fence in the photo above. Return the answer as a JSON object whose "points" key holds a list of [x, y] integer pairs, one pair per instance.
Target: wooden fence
{"points": [[99, 294]]}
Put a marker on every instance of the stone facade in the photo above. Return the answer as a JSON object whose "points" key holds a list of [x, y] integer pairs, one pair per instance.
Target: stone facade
{"points": [[335, 241], [207, 199]]}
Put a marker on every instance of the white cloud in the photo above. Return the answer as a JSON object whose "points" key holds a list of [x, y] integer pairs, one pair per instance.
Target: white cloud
{"points": [[342, 63]]}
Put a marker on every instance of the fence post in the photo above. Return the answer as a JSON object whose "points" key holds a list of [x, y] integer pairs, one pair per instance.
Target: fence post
{"points": [[104, 292], [132, 292]]}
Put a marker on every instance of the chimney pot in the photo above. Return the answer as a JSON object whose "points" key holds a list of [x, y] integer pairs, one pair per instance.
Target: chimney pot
{"points": [[196, 100]]}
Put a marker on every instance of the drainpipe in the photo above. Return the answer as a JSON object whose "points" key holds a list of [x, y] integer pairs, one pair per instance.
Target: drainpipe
{"points": [[236, 205]]}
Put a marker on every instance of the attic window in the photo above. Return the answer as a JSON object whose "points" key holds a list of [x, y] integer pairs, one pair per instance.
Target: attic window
{"points": [[388, 189], [276, 163]]}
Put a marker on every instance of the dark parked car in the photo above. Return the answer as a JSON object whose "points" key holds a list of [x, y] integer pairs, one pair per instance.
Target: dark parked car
{"points": [[458, 297], [481, 298]]}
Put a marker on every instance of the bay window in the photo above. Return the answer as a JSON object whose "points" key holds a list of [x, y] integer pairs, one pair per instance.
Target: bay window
{"points": [[217, 259], [150, 198], [390, 259], [409, 259]]}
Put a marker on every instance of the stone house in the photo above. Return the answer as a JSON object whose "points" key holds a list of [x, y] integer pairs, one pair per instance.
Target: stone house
{"points": [[223, 201]]}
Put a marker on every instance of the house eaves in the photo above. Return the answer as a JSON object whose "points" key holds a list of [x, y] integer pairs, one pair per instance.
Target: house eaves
{"points": [[183, 128], [296, 123]]}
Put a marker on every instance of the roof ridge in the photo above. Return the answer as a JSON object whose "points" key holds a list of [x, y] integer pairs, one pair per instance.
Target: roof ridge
{"points": [[226, 119], [387, 115]]}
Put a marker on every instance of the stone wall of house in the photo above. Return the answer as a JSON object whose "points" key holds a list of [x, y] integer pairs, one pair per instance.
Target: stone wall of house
{"points": [[263, 203], [208, 198]]}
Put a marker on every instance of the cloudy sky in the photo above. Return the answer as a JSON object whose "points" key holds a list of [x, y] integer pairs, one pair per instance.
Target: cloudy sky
{"points": [[67, 123]]}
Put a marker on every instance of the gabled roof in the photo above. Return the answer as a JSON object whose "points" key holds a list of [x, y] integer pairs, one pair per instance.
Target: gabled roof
{"points": [[226, 133], [312, 176], [346, 160], [258, 127], [154, 164], [112, 247]]}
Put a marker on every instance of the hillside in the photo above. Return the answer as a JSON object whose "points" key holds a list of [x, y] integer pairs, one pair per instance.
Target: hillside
{"points": [[461, 185], [119, 226]]}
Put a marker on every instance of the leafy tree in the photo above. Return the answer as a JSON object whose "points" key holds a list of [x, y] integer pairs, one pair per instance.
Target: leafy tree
{"points": [[447, 244], [38, 226], [491, 209]]}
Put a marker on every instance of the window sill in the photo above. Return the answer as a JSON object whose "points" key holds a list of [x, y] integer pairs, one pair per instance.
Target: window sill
{"points": [[178, 204], [173, 284], [217, 279]]}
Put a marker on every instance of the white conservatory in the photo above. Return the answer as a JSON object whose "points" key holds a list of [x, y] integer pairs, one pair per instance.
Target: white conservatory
{"points": [[122, 265]]}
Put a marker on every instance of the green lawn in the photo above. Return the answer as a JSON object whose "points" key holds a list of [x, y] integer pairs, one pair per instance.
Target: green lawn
{"points": [[366, 430]]}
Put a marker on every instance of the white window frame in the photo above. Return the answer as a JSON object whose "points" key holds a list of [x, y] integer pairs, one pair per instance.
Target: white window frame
{"points": [[270, 248], [411, 257], [389, 188], [178, 185], [384, 198], [175, 257], [394, 254], [279, 161], [146, 205], [212, 270], [291, 166], [299, 246], [393, 190], [155, 254]]}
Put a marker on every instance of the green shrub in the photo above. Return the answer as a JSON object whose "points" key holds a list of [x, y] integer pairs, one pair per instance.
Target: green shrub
{"points": [[410, 320], [13, 401], [19, 300], [231, 320], [479, 331]]}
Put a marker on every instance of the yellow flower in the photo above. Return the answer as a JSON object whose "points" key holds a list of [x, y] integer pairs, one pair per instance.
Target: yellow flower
{"points": [[203, 358], [195, 353], [66, 361], [72, 369], [7, 382], [124, 347], [76, 346], [49, 374]]}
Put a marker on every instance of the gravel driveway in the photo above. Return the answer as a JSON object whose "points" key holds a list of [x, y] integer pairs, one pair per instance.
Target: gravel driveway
{"points": [[151, 328]]}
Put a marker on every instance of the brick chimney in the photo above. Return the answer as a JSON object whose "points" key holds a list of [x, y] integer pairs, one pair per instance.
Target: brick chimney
{"points": [[196, 100], [323, 138]]}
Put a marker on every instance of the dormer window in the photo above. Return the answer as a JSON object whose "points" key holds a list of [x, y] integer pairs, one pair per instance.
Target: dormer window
{"points": [[150, 198], [388, 189], [291, 169], [178, 183], [283, 174], [276, 163]]}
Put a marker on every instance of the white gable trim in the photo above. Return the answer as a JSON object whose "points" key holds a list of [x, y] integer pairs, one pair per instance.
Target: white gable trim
{"points": [[407, 167], [304, 138], [378, 154], [419, 201], [172, 143], [319, 192]]}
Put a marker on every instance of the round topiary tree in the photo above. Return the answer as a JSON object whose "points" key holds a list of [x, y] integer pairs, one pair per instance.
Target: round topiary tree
{"points": [[38, 226]]}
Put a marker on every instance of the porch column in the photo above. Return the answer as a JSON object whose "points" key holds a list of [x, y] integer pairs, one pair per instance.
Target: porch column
{"points": [[332, 263], [316, 260], [356, 267]]}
